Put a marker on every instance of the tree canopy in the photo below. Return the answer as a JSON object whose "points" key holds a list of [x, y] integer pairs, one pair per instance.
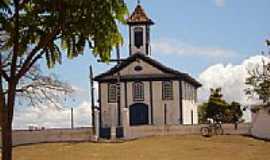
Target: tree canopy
{"points": [[52, 25], [259, 80], [219, 110]]}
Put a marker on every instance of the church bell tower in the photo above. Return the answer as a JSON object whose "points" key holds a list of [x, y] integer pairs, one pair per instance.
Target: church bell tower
{"points": [[139, 31]]}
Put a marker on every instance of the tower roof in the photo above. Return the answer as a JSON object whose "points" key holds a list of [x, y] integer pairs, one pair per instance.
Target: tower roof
{"points": [[139, 16]]}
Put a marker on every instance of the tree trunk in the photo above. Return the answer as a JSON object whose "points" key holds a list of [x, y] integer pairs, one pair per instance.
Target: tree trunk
{"points": [[7, 118], [8, 110], [6, 138]]}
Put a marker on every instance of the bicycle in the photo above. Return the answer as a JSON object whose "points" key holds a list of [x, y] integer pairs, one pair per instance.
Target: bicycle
{"points": [[212, 128]]}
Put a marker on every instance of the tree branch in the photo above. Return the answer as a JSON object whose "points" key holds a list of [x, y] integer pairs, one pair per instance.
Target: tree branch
{"points": [[15, 42], [4, 74], [31, 59]]}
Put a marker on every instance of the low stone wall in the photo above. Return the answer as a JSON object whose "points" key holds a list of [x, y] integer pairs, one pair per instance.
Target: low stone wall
{"points": [[21, 137], [144, 131]]}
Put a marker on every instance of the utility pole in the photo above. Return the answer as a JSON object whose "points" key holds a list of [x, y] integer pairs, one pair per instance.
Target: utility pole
{"points": [[118, 87], [92, 98], [72, 120]]}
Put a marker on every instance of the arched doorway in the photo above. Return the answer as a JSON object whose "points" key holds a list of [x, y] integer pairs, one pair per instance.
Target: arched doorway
{"points": [[138, 114]]}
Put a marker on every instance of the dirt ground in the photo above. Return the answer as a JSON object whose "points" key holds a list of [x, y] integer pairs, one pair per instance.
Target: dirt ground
{"points": [[156, 148]]}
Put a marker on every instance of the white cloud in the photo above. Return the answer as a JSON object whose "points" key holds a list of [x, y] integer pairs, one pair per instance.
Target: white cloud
{"points": [[220, 3], [51, 117], [169, 46], [231, 78]]}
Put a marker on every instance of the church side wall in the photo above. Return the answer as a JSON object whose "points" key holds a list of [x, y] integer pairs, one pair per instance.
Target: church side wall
{"points": [[190, 109]]}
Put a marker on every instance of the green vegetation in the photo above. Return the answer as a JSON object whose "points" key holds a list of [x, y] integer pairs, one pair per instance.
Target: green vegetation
{"points": [[156, 148], [259, 81], [219, 110]]}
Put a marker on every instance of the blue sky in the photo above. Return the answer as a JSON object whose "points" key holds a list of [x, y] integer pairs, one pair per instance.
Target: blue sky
{"points": [[227, 30], [213, 40]]}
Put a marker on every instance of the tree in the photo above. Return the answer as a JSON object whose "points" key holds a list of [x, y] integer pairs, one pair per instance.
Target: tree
{"points": [[218, 109], [259, 81], [234, 113], [35, 29], [202, 112], [216, 105]]}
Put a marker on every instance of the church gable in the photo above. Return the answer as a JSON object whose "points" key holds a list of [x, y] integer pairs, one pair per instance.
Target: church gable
{"points": [[140, 67], [135, 65]]}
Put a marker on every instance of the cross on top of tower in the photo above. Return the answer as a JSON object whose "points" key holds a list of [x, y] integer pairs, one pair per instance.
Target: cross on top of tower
{"points": [[138, 1]]}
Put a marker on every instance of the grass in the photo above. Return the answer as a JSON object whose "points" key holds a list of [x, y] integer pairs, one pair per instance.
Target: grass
{"points": [[156, 148]]}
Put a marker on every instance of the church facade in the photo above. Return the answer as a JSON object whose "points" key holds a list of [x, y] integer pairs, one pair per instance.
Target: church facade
{"points": [[153, 93]]}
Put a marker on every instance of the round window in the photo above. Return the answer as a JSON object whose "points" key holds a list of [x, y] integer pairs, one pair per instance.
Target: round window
{"points": [[138, 68]]}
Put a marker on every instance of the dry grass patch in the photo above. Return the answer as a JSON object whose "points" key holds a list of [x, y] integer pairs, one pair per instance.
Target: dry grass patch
{"points": [[156, 148]]}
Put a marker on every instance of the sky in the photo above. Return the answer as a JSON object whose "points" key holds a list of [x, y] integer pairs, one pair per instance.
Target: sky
{"points": [[215, 41]]}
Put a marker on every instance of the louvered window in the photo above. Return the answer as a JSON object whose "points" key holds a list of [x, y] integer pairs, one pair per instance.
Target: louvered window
{"points": [[138, 34]]}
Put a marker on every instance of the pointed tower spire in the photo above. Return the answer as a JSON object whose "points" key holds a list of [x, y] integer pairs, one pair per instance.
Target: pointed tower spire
{"points": [[139, 16], [139, 31]]}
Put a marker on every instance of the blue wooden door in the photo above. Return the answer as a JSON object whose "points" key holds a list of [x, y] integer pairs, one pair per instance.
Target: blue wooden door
{"points": [[138, 114]]}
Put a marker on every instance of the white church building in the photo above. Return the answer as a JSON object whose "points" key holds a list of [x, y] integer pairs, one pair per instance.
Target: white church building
{"points": [[151, 93]]}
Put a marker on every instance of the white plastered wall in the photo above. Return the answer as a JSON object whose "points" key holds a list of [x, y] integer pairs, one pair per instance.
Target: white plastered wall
{"points": [[261, 124], [108, 110], [172, 106], [189, 105]]}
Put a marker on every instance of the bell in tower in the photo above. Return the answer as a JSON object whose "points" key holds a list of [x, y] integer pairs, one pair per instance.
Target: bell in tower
{"points": [[139, 31]]}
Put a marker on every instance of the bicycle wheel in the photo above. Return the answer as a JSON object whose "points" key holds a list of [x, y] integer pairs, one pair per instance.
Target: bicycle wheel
{"points": [[219, 131], [205, 131]]}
